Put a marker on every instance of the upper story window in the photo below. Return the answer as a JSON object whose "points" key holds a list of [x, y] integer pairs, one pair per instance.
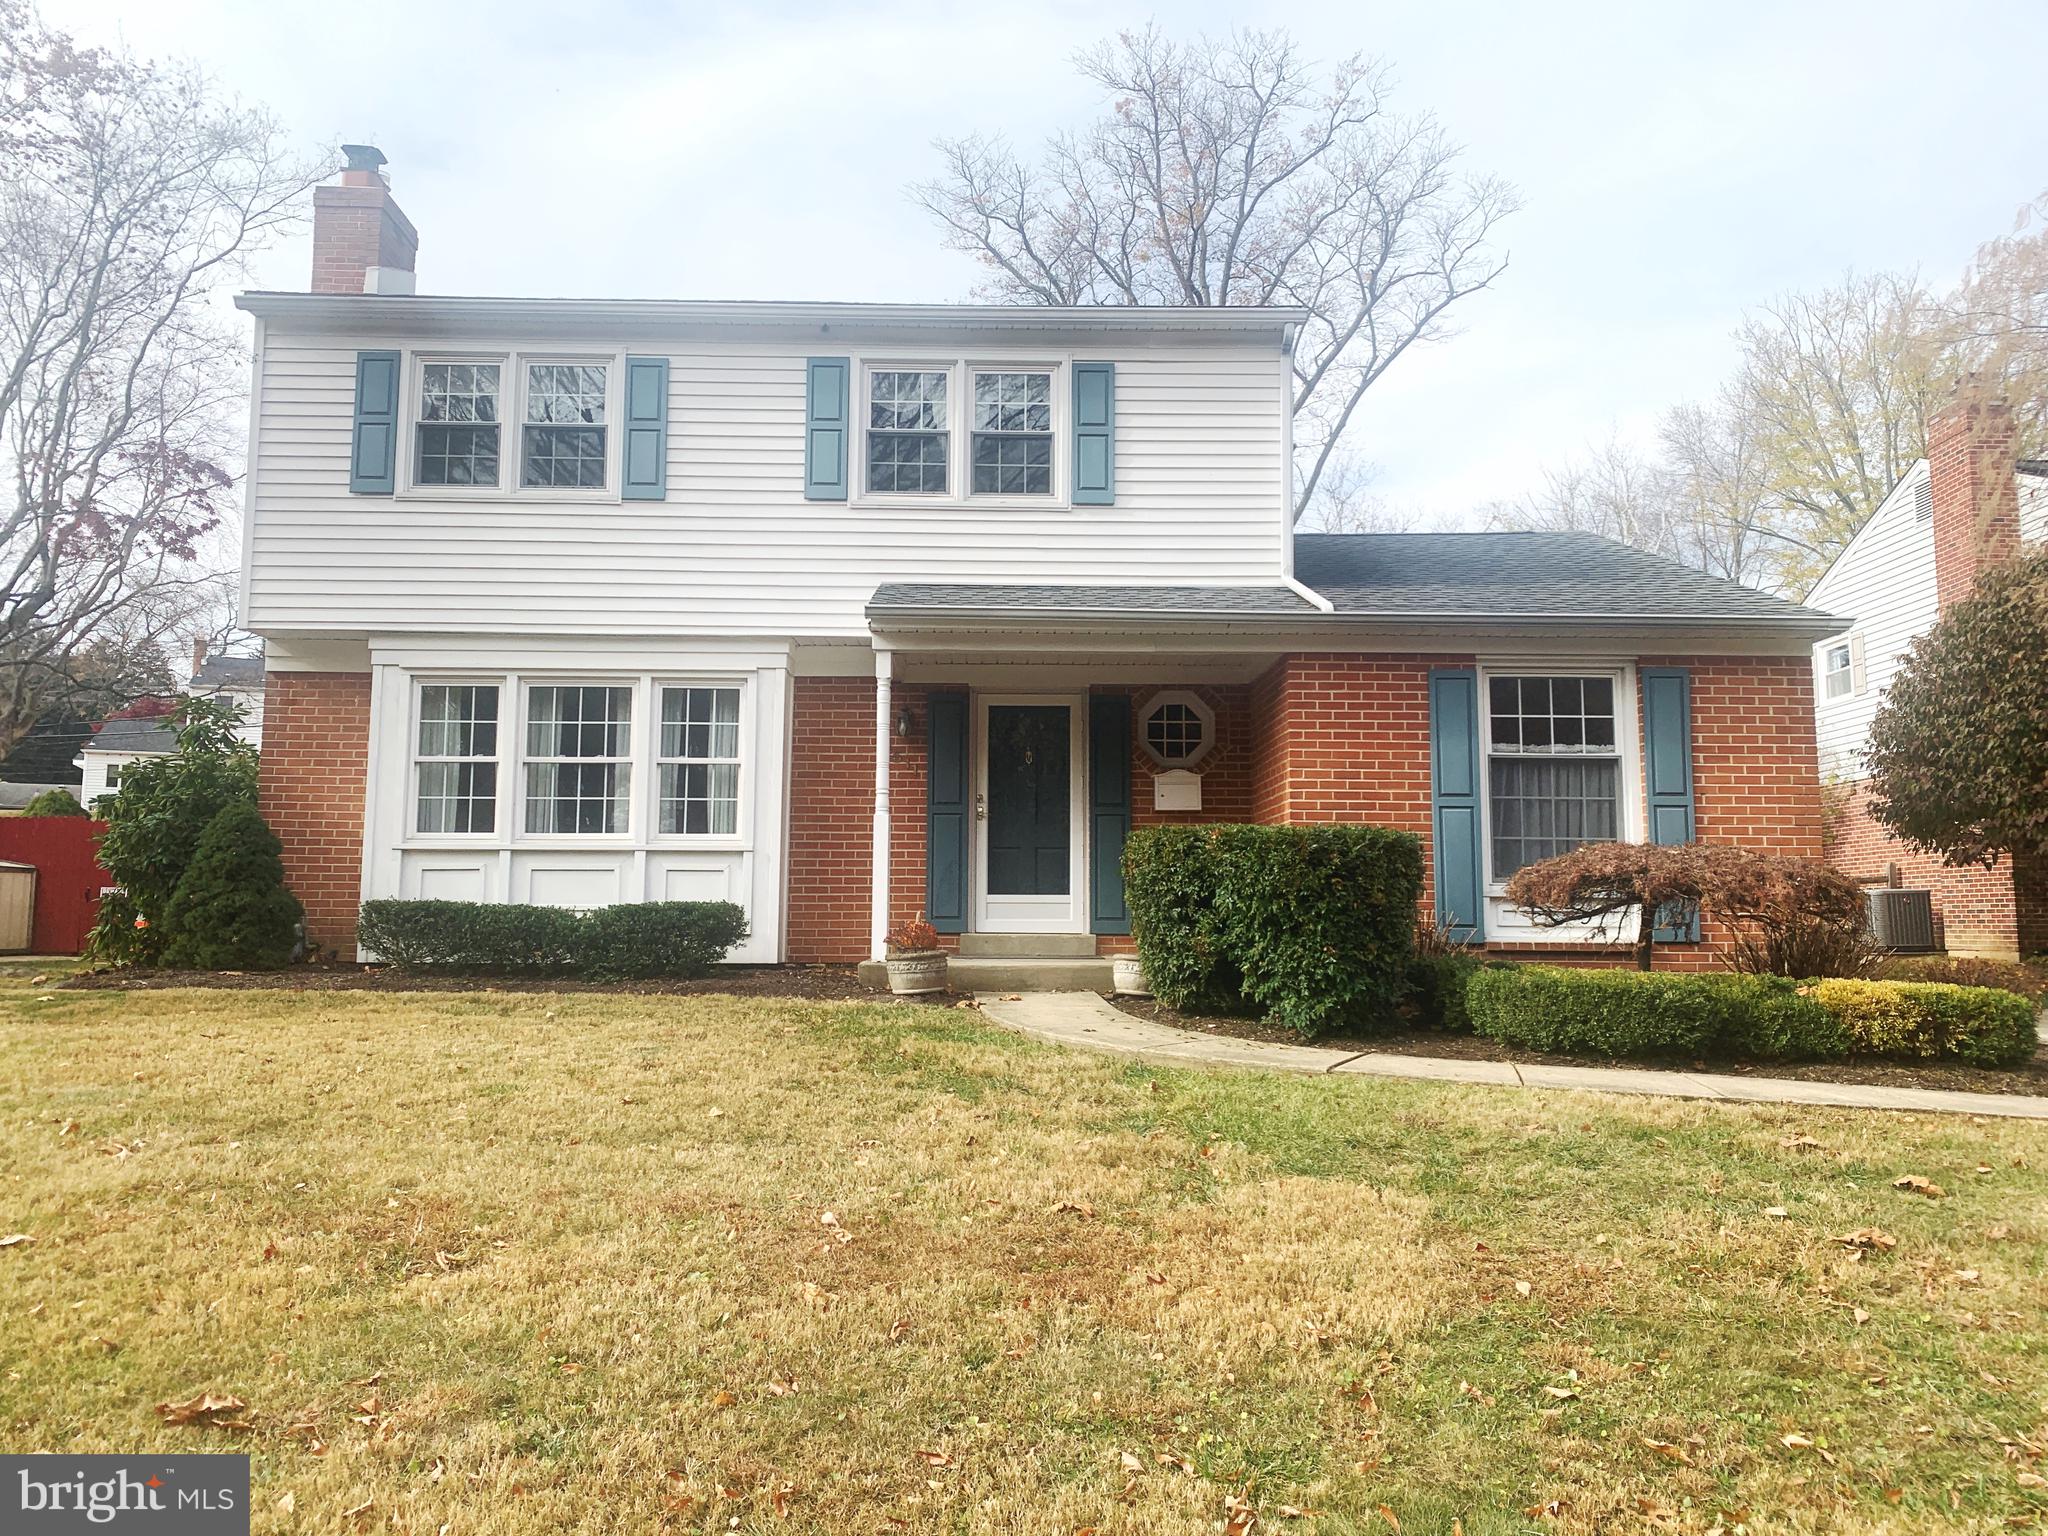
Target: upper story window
{"points": [[1013, 434], [1838, 676], [1553, 767], [908, 429], [456, 438], [563, 442], [511, 423]]}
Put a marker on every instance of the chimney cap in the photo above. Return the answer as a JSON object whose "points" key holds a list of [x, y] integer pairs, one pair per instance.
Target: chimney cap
{"points": [[364, 157]]}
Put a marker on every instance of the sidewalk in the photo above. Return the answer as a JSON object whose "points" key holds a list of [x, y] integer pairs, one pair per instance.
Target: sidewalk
{"points": [[1084, 1019]]}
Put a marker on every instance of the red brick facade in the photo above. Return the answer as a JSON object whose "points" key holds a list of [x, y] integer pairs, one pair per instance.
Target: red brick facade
{"points": [[316, 738], [357, 226], [1317, 738]]}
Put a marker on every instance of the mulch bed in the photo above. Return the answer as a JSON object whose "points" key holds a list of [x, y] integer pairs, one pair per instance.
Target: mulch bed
{"points": [[818, 983], [1410, 1041]]}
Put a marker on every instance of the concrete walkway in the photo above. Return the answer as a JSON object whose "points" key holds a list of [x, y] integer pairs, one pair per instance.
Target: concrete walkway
{"points": [[1086, 1020]]}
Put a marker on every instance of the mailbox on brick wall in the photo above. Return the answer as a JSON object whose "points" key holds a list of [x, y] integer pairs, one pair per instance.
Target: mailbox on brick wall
{"points": [[1177, 789]]}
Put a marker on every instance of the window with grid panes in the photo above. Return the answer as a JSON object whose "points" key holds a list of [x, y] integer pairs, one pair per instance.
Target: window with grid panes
{"points": [[455, 440], [563, 444], [699, 760], [907, 432], [456, 758], [1011, 444], [578, 740], [1553, 767]]}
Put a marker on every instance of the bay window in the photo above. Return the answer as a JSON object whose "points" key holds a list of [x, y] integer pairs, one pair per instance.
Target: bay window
{"points": [[578, 758], [1554, 771], [455, 773], [699, 760]]}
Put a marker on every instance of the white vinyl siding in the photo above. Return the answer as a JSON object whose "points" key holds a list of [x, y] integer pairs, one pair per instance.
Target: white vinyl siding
{"points": [[735, 549]]}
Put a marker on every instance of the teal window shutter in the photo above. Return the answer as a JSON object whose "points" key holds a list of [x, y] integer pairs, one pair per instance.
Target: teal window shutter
{"points": [[373, 452], [945, 816], [1667, 778], [1109, 810], [1094, 434], [646, 460], [1456, 813], [826, 428]]}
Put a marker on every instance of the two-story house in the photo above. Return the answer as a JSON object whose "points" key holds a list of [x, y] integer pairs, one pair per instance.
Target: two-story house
{"points": [[1971, 503], [847, 612]]}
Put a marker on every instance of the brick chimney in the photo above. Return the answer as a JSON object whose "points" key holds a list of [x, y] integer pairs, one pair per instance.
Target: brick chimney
{"points": [[1971, 446], [362, 242]]}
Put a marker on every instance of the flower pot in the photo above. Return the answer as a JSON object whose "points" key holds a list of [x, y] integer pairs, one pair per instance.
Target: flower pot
{"points": [[1127, 977], [915, 974]]}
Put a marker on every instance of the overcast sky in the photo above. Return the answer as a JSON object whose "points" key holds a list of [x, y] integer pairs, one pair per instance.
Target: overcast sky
{"points": [[1679, 163]]}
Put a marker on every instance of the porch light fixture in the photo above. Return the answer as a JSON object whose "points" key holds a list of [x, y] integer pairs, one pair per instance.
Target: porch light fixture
{"points": [[904, 721]]}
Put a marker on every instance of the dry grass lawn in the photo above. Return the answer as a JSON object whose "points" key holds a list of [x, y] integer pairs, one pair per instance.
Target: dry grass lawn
{"points": [[527, 1263]]}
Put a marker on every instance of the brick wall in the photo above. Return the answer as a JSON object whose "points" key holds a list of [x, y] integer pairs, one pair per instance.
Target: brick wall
{"points": [[1975, 909], [315, 770], [357, 226], [831, 806]]}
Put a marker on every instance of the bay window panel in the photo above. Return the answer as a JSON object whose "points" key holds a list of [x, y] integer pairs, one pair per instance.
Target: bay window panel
{"points": [[578, 739], [699, 750], [455, 753]]}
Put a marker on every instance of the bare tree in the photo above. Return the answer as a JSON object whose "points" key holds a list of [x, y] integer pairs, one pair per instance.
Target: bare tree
{"points": [[1612, 491], [1995, 323], [1346, 502], [129, 192], [1226, 173], [1715, 475]]}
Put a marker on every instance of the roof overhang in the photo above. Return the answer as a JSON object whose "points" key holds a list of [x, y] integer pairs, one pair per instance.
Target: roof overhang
{"points": [[739, 320]]}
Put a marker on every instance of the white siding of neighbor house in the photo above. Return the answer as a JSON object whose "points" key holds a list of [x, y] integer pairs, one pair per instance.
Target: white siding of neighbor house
{"points": [[1884, 581], [735, 549]]}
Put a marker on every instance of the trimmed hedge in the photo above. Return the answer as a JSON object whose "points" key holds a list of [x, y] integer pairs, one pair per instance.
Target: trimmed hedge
{"points": [[656, 938], [54, 802], [1632, 1013], [1932, 1020], [1312, 925]]}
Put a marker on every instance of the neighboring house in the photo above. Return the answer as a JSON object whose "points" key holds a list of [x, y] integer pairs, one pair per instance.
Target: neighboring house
{"points": [[850, 612], [1968, 505], [14, 797], [114, 744]]}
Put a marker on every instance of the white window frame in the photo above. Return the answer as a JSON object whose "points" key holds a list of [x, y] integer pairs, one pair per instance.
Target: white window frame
{"points": [[1633, 820], [512, 366], [960, 371], [1829, 672], [415, 715], [737, 837], [1202, 712], [633, 761]]}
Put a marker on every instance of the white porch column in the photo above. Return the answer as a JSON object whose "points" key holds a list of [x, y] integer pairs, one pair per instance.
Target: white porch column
{"points": [[878, 912]]}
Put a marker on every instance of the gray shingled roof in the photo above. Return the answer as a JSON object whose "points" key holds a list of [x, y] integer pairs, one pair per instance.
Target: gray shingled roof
{"points": [[1524, 575], [150, 735], [928, 598], [228, 672], [1498, 577]]}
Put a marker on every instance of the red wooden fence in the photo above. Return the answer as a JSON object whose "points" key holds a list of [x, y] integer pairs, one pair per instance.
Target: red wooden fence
{"points": [[68, 876]]}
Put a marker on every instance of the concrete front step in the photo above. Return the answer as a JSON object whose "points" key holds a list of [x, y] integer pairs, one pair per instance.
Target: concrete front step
{"points": [[1028, 946], [1002, 973]]}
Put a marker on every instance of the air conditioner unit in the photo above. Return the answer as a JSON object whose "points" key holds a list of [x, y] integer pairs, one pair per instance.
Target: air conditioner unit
{"points": [[1901, 920]]}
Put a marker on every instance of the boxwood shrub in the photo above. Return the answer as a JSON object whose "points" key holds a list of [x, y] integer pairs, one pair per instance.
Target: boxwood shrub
{"points": [[1633, 1014], [657, 938], [1311, 925], [1932, 1020]]}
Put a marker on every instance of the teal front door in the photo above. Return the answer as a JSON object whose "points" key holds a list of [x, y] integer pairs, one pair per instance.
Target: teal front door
{"points": [[1028, 818]]}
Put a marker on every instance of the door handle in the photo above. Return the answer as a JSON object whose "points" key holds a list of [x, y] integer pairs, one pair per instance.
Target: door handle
{"points": [[981, 807]]}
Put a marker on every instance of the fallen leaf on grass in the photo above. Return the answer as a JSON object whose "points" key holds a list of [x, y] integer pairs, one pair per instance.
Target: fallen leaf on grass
{"points": [[1169, 1459], [1913, 1183], [16, 1240], [359, 1510], [1130, 1462], [723, 1399], [1389, 1516], [1561, 1393], [1523, 1288], [287, 1503], [1801, 1143], [1868, 1239], [2030, 1480], [1071, 1208], [898, 1329], [215, 1408], [1291, 1512], [935, 1458], [1665, 1448], [1776, 1210]]}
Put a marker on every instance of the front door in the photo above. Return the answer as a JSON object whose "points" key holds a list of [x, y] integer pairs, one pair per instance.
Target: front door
{"points": [[1030, 863]]}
